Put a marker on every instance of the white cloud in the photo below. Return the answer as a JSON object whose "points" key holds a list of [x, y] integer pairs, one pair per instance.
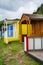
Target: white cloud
{"points": [[7, 14], [8, 7]]}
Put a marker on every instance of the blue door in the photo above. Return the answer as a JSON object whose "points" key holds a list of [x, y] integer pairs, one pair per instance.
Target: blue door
{"points": [[10, 31]]}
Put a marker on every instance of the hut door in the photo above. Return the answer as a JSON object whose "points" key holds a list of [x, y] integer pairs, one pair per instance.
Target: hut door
{"points": [[24, 29], [10, 30]]}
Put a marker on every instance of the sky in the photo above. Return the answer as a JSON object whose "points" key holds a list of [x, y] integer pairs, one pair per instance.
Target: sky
{"points": [[12, 9]]}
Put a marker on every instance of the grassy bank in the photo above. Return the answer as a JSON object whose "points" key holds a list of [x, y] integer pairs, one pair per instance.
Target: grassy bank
{"points": [[13, 54]]}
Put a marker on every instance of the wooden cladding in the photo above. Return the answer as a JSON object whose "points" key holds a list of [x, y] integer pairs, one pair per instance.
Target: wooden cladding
{"points": [[37, 27], [41, 26]]}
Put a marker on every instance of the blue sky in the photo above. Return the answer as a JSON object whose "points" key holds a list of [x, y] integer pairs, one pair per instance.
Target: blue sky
{"points": [[12, 9]]}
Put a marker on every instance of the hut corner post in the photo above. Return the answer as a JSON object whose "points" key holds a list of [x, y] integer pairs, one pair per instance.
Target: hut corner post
{"points": [[26, 44], [5, 33]]}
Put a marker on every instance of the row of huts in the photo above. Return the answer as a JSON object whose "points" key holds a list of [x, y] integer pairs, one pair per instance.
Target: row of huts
{"points": [[28, 25]]}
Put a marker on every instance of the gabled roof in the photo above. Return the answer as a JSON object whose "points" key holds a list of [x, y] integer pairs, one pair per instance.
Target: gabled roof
{"points": [[34, 16]]}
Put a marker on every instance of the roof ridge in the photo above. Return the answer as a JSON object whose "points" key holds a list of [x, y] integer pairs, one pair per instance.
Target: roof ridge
{"points": [[37, 16]]}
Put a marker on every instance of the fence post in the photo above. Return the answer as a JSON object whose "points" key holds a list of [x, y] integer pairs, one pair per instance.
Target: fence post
{"points": [[26, 44]]}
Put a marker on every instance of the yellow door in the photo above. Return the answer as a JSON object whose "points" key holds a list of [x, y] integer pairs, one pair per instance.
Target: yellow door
{"points": [[24, 29]]}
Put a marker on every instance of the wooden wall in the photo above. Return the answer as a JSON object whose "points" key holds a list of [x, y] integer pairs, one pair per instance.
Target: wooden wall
{"points": [[41, 25], [37, 27]]}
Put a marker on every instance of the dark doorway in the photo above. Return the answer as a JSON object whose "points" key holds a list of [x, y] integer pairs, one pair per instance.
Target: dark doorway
{"points": [[23, 37]]}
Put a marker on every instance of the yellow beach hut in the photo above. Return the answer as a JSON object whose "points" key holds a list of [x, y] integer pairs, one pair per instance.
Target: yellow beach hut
{"points": [[11, 30]]}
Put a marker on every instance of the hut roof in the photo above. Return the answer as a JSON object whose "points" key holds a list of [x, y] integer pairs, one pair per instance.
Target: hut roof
{"points": [[34, 16], [11, 21]]}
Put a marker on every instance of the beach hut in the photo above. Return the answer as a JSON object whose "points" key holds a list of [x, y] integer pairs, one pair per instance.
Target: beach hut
{"points": [[11, 30], [33, 41], [31, 25]]}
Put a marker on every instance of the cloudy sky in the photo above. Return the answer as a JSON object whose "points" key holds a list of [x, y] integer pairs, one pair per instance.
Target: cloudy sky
{"points": [[12, 9]]}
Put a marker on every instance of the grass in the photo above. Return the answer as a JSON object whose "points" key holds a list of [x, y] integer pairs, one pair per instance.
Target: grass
{"points": [[13, 54]]}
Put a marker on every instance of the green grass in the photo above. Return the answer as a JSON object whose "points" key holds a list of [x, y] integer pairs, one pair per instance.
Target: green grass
{"points": [[2, 61], [13, 54]]}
